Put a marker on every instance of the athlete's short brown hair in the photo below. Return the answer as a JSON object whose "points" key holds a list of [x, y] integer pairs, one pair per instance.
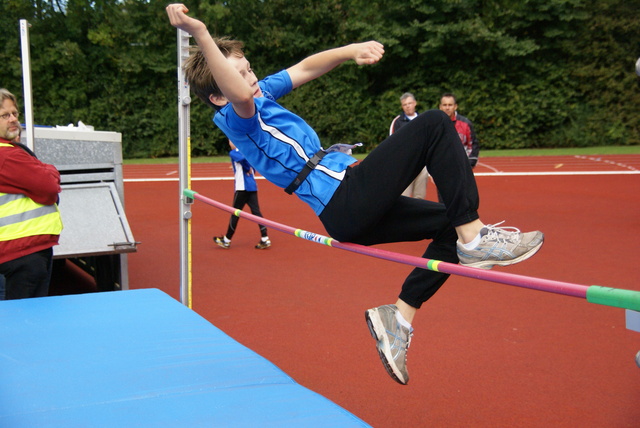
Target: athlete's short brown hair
{"points": [[198, 74]]}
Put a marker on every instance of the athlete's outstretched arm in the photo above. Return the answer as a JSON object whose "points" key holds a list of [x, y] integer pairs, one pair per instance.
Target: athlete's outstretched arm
{"points": [[318, 64]]}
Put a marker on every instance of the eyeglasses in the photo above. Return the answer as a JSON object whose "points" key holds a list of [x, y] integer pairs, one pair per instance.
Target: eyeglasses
{"points": [[7, 116]]}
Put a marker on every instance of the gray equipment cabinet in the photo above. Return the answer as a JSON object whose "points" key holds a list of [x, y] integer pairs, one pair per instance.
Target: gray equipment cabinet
{"points": [[96, 234]]}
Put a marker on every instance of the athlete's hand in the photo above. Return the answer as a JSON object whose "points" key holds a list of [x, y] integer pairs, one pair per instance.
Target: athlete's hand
{"points": [[368, 52], [178, 17]]}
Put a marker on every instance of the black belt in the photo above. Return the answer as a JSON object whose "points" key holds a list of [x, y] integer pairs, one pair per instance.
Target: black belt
{"points": [[306, 170]]}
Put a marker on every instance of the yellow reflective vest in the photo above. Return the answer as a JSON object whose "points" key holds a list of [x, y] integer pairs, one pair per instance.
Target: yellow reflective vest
{"points": [[21, 217]]}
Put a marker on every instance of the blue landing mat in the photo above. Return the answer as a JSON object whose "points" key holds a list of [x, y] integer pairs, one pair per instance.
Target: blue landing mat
{"points": [[141, 359]]}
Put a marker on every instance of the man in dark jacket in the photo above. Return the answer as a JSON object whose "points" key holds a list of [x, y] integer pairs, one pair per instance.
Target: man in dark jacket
{"points": [[418, 187]]}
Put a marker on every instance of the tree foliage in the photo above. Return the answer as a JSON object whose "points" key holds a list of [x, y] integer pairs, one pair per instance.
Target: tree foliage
{"points": [[540, 73]]}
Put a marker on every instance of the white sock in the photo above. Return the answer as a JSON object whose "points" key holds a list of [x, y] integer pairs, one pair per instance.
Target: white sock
{"points": [[403, 322], [473, 244], [264, 238], [225, 239]]}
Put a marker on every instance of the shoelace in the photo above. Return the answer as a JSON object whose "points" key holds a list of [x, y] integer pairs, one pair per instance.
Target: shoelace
{"points": [[502, 234]]}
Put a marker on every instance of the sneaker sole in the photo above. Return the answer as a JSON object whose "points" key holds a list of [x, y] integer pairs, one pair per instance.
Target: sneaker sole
{"points": [[377, 330], [488, 264], [221, 246]]}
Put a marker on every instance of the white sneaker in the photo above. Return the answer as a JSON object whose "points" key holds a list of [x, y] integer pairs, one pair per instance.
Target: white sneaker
{"points": [[500, 246]]}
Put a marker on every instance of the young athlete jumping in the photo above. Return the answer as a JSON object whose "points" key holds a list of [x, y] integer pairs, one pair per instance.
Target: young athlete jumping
{"points": [[359, 203]]}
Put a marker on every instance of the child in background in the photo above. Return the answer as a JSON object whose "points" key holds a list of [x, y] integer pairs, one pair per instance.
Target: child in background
{"points": [[246, 193]]}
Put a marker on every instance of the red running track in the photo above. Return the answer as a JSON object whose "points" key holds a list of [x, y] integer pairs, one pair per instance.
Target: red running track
{"points": [[483, 354], [558, 165]]}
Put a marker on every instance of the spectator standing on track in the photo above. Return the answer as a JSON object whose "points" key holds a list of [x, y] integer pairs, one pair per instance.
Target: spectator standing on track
{"points": [[464, 127], [418, 187], [2, 288], [246, 193], [359, 203], [30, 223]]}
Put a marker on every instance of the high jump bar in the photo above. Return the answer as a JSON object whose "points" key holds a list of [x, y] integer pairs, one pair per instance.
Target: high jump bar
{"points": [[621, 298]]}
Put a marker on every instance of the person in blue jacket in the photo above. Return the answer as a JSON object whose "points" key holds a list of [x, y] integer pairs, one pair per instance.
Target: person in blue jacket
{"points": [[360, 203], [246, 193]]}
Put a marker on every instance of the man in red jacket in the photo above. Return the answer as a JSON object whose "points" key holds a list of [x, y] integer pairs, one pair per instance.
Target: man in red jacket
{"points": [[30, 223], [464, 126]]}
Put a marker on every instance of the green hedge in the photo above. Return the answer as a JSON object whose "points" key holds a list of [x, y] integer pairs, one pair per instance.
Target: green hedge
{"points": [[539, 74]]}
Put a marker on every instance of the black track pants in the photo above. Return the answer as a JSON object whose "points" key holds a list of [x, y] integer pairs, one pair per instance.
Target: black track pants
{"points": [[240, 199], [368, 207]]}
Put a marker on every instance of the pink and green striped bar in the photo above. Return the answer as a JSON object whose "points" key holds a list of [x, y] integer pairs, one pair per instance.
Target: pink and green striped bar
{"points": [[621, 298]]}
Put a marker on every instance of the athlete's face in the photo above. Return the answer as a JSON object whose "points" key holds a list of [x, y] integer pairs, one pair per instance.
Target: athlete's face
{"points": [[9, 127], [449, 106], [244, 68]]}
